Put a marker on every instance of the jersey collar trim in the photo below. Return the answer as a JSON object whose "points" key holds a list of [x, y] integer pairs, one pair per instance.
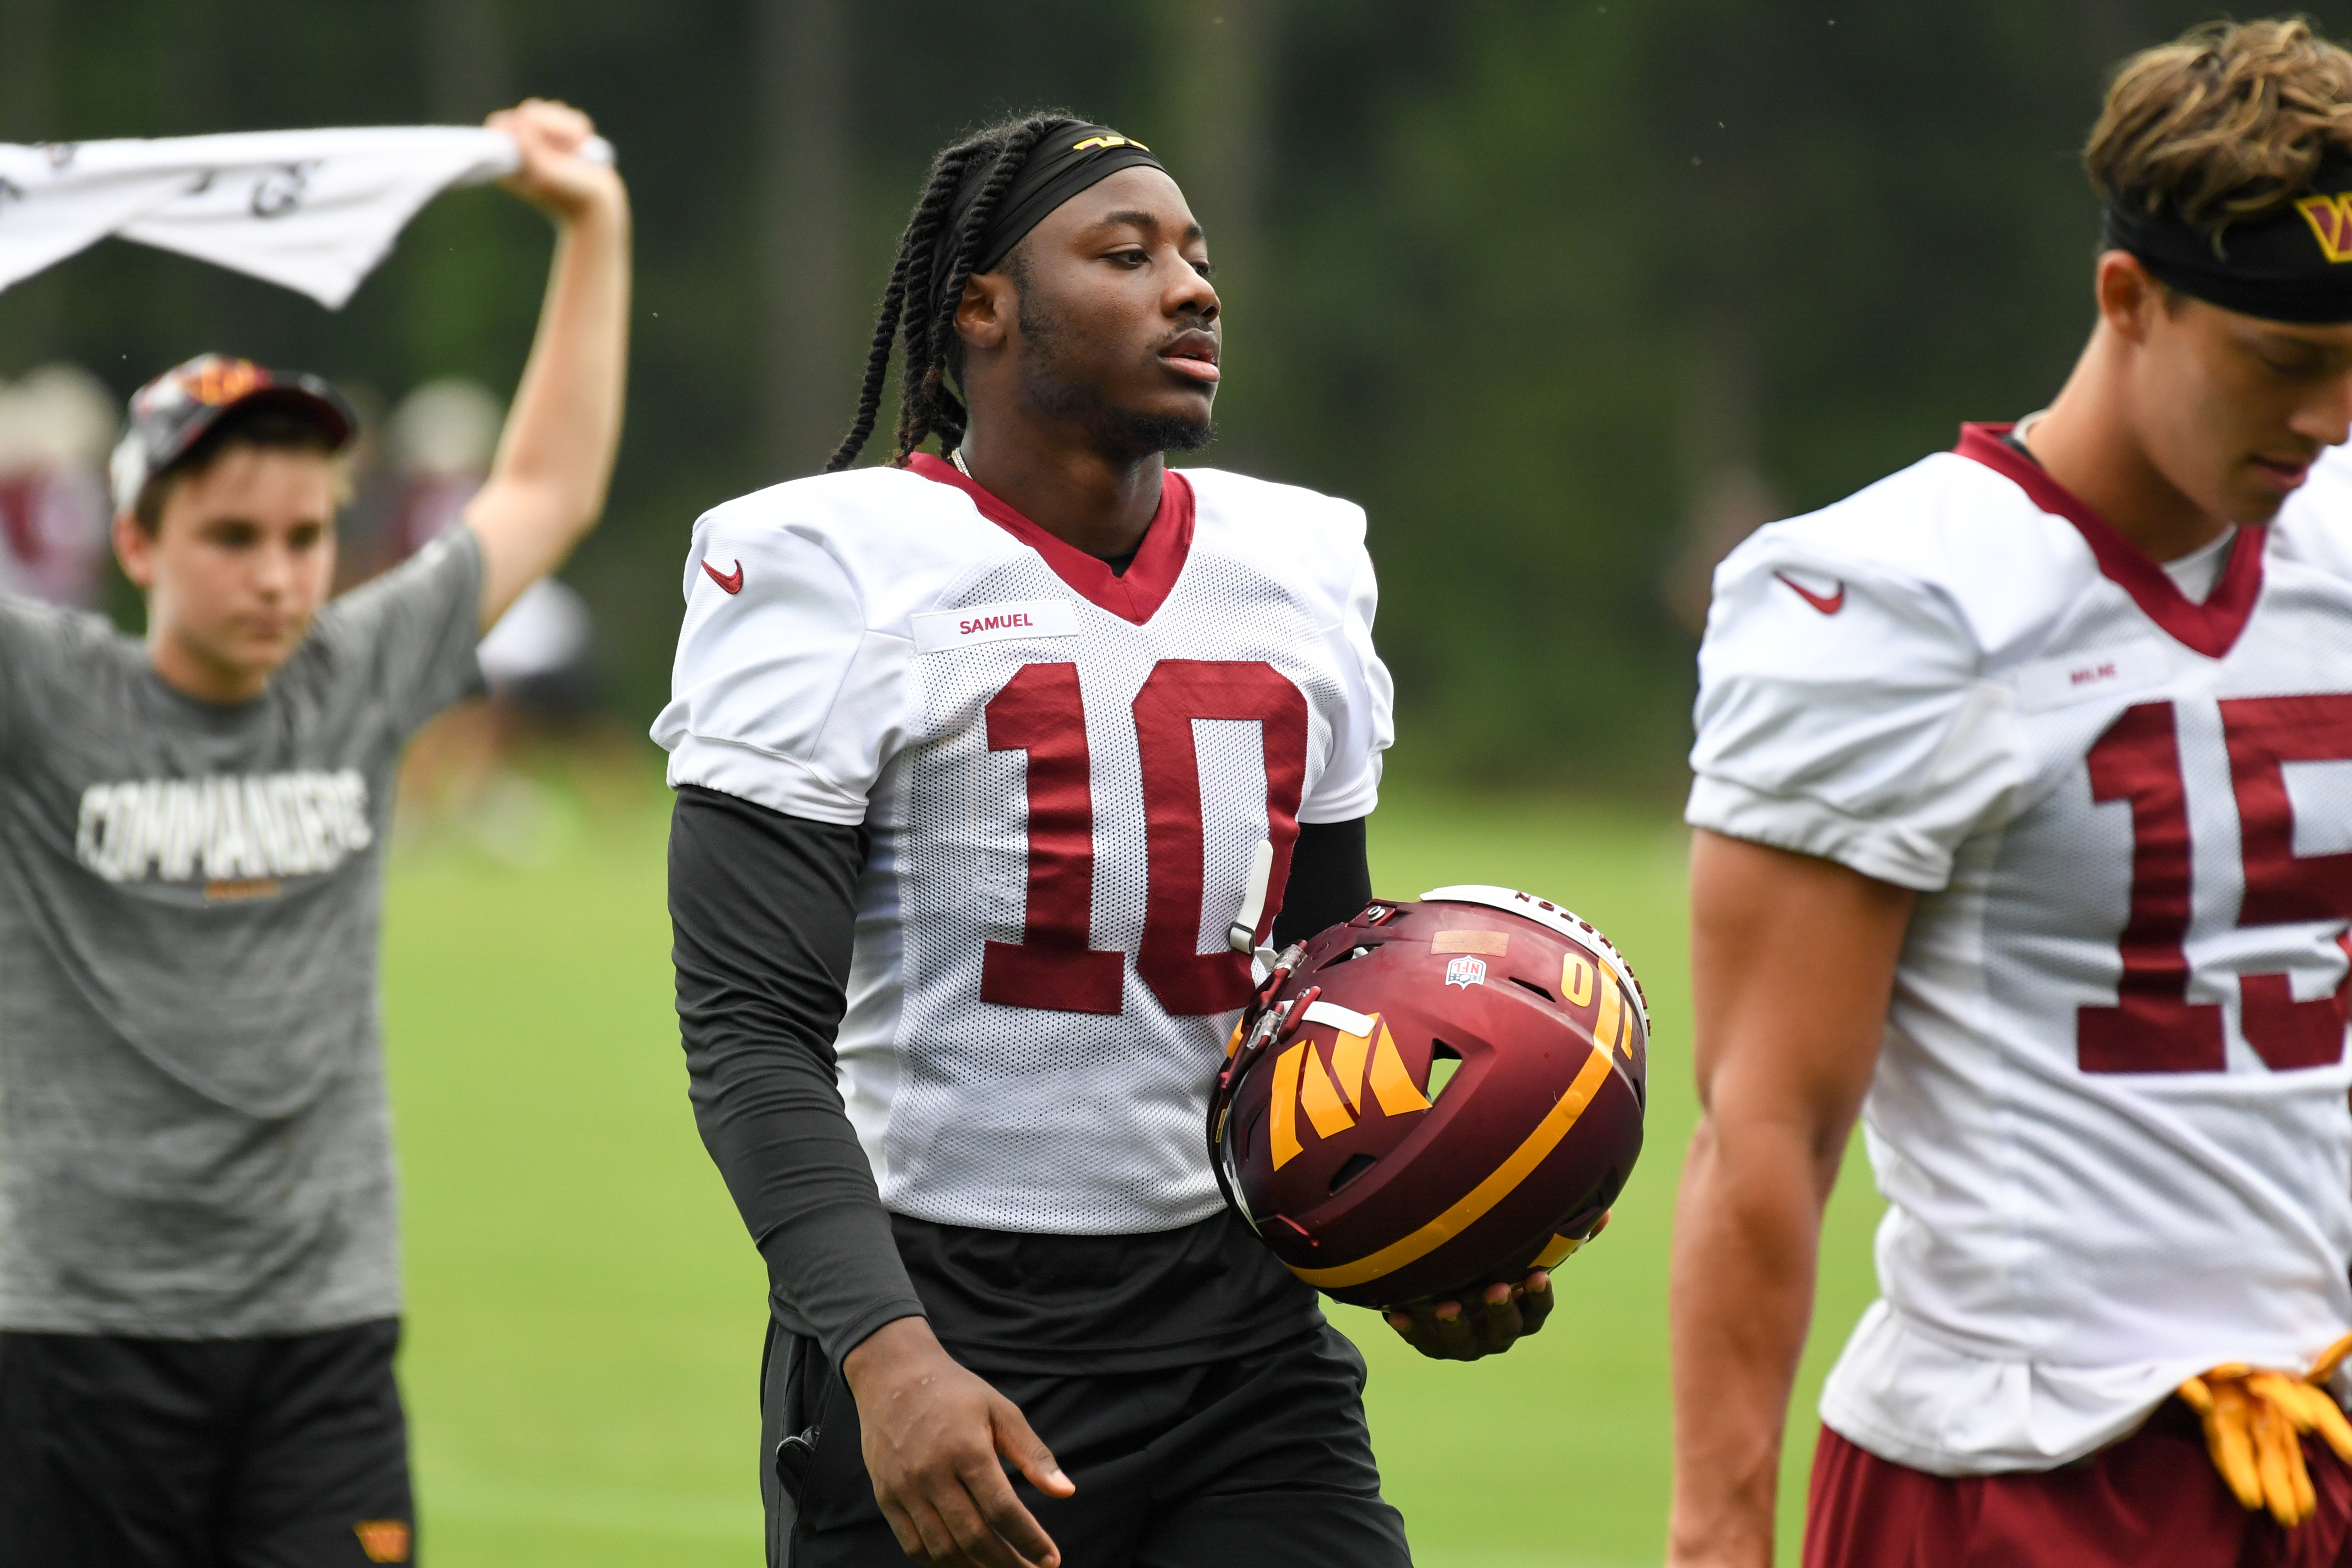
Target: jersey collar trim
{"points": [[2210, 628], [1135, 598]]}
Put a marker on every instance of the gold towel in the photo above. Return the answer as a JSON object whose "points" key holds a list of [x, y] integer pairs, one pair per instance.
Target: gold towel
{"points": [[2254, 1418]]}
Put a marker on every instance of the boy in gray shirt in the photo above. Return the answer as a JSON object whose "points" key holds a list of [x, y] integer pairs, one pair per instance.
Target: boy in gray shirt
{"points": [[199, 1282]]}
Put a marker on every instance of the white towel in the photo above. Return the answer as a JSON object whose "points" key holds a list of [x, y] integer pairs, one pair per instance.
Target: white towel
{"points": [[313, 210]]}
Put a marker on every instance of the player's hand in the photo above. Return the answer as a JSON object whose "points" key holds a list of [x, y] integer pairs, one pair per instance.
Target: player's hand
{"points": [[554, 177], [1501, 1317], [933, 1433]]}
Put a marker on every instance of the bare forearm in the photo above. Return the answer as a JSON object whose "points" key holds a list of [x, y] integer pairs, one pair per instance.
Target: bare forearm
{"points": [[547, 487], [1792, 961], [1740, 1296], [567, 411]]}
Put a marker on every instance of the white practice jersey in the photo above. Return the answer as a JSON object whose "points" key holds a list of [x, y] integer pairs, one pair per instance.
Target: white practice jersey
{"points": [[2109, 1114], [1065, 776]]}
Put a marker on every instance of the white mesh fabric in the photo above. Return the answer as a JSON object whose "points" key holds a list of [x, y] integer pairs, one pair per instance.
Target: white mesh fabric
{"points": [[1232, 816], [1018, 1118]]}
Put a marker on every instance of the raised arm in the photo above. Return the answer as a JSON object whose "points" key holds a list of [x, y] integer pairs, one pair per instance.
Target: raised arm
{"points": [[546, 488], [1792, 963]]}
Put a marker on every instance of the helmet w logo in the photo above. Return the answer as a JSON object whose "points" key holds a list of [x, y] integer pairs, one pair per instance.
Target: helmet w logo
{"points": [[2331, 221], [1332, 1098]]}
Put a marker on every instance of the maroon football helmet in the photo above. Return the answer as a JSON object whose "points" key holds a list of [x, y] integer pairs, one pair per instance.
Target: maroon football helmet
{"points": [[1380, 1181]]}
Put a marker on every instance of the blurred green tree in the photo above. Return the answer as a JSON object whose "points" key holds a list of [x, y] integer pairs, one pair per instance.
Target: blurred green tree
{"points": [[1567, 294]]}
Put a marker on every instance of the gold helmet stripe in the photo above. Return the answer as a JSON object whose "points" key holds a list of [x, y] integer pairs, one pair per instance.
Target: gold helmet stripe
{"points": [[1473, 1204]]}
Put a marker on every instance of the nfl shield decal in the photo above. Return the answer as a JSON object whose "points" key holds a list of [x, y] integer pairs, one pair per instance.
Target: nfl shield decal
{"points": [[1467, 972]]}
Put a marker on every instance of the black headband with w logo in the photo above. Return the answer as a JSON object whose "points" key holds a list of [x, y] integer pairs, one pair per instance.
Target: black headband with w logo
{"points": [[2291, 264], [1069, 158]]}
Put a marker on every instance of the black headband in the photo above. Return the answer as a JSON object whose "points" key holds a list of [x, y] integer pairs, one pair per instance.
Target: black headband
{"points": [[1067, 159], [2293, 265]]}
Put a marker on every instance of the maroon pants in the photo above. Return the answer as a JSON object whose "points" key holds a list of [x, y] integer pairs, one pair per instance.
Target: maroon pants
{"points": [[2152, 1498]]}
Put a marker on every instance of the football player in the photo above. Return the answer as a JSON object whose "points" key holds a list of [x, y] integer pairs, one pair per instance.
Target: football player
{"points": [[981, 757], [2024, 826], [199, 1266]]}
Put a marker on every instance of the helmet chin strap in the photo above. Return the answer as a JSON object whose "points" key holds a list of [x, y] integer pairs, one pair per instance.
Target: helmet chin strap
{"points": [[1242, 935]]}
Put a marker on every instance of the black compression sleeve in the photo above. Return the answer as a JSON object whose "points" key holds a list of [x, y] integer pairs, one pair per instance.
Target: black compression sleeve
{"points": [[1330, 880], [763, 907]]}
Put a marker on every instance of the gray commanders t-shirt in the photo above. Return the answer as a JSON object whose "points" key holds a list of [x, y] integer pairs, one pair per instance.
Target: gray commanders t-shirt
{"points": [[194, 1137]]}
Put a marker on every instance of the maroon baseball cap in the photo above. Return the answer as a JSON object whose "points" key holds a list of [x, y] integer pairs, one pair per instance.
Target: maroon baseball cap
{"points": [[172, 413]]}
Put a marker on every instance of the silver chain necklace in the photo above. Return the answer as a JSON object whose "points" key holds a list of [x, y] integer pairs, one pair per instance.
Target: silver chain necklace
{"points": [[956, 457]]}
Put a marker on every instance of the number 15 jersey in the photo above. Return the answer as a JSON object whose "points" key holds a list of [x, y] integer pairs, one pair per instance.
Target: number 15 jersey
{"points": [[1065, 776], [2109, 1112]]}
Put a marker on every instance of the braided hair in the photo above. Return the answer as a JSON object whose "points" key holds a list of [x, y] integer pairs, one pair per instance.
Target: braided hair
{"points": [[921, 306]]}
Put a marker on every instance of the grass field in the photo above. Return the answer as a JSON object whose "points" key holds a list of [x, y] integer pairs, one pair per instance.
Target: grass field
{"points": [[585, 1312]]}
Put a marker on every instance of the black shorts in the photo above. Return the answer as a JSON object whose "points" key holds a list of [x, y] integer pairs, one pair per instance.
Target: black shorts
{"points": [[263, 1453], [1258, 1461]]}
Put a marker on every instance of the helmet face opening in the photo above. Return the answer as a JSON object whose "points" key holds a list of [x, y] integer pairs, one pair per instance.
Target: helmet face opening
{"points": [[1436, 1096]]}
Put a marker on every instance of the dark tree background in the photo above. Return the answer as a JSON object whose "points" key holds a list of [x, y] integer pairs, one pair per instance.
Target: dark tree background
{"points": [[1567, 295]]}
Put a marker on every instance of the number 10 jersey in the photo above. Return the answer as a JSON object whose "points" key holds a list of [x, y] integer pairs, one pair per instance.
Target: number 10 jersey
{"points": [[2109, 1112], [1064, 774]]}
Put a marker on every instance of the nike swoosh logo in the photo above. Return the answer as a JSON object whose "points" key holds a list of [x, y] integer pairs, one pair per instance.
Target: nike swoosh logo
{"points": [[733, 583], [1829, 606]]}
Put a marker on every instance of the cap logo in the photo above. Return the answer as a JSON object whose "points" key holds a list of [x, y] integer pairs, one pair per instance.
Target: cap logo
{"points": [[224, 381], [2330, 218], [1108, 141]]}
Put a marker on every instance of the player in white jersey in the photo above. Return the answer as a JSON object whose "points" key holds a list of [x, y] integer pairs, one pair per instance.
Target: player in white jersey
{"points": [[991, 766], [2025, 807]]}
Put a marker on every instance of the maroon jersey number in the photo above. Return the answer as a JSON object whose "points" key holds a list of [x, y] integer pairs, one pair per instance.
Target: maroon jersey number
{"points": [[1188, 982], [2283, 886], [1040, 711], [2154, 1028]]}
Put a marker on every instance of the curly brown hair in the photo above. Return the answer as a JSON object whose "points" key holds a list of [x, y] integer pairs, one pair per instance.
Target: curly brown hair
{"points": [[2229, 121]]}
